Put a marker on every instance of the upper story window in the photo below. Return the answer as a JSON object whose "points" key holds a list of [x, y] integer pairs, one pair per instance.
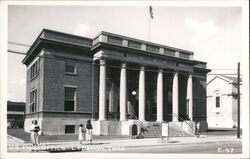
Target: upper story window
{"points": [[217, 101], [70, 68], [152, 48], [184, 55], [34, 70], [33, 101], [133, 44], [114, 40], [69, 98], [169, 52]]}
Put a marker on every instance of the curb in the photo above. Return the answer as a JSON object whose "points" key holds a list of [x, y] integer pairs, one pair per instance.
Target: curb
{"points": [[168, 144], [157, 143], [117, 140], [15, 138]]}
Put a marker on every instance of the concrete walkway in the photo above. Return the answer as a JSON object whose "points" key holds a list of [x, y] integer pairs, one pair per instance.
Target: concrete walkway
{"points": [[15, 145]]}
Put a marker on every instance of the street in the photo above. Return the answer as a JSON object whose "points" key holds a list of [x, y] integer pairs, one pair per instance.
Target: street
{"points": [[211, 142], [211, 148]]}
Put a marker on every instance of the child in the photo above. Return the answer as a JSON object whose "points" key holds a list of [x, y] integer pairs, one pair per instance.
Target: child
{"points": [[81, 131]]}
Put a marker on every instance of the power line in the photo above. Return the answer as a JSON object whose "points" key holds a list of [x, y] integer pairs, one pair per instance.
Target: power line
{"points": [[15, 43], [218, 69], [84, 61], [95, 64], [224, 69], [222, 74]]}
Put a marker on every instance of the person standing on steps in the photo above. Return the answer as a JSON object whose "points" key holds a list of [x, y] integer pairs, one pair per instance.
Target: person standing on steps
{"points": [[34, 135], [89, 128], [198, 130]]}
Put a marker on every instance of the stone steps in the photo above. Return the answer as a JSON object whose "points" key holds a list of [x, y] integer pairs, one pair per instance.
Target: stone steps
{"points": [[176, 129], [152, 130]]}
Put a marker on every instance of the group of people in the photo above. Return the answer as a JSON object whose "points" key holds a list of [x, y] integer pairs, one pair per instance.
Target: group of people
{"points": [[88, 130], [34, 134]]}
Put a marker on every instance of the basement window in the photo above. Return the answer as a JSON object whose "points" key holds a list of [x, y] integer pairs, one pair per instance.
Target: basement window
{"points": [[69, 129]]}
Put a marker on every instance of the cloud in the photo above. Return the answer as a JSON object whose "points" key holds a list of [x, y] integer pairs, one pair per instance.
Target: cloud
{"points": [[81, 29], [204, 32], [214, 44], [207, 27]]}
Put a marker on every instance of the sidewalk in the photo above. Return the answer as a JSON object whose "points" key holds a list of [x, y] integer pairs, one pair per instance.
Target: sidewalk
{"points": [[119, 144]]}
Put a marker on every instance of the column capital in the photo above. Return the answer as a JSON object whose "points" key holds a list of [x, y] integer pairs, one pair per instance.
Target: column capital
{"points": [[160, 69], [102, 61], [142, 67], [123, 64]]}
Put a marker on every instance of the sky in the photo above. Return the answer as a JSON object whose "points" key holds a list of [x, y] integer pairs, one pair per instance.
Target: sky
{"points": [[212, 33]]}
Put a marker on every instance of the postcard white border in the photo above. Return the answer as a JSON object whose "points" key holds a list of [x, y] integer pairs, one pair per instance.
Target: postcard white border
{"points": [[186, 3]]}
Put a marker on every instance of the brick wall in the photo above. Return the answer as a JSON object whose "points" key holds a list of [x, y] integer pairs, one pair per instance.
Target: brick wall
{"points": [[36, 83], [55, 79]]}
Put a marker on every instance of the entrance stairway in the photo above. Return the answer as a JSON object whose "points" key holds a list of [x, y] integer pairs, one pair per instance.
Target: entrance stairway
{"points": [[179, 128], [152, 129]]}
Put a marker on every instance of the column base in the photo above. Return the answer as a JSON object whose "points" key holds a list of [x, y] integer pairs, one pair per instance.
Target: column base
{"points": [[159, 121]]}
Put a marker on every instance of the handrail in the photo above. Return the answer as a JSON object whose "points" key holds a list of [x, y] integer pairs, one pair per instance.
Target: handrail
{"points": [[178, 117]]}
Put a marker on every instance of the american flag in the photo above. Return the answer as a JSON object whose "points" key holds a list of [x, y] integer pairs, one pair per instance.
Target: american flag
{"points": [[151, 12]]}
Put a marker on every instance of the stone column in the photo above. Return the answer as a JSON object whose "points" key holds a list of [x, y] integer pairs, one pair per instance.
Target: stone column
{"points": [[175, 98], [111, 97], [102, 90], [190, 97], [142, 94], [123, 92], [159, 96]]}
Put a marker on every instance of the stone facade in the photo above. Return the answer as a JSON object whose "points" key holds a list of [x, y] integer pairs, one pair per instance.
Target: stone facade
{"points": [[224, 115], [115, 80]]}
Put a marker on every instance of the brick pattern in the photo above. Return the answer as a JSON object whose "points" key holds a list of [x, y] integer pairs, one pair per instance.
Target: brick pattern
{"points": [[55, 80]]}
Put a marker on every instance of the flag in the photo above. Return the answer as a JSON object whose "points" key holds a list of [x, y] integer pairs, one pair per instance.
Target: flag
{"points": [[151, 12]]}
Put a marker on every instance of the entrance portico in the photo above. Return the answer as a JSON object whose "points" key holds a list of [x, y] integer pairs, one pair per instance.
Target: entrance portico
{"points": [[147, 83]]}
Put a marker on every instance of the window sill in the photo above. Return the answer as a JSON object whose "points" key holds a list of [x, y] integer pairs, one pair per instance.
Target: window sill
{"points": [[33, 78], [71, 74]]}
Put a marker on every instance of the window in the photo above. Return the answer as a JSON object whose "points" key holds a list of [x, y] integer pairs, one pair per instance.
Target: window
{"points": [[34, 70], [33, 100], [69, 102], [217, 101], [70, 68], [69, 129], [152, 48], [133, 44], [195, 109], [169, 52], [114, 40], [184, 55]]}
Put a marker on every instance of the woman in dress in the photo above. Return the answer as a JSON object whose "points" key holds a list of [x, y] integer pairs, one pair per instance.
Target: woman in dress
{"points": [[81, 131], [89, 132], [34, 135]]}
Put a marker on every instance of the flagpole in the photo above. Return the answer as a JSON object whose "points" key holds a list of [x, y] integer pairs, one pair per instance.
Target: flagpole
{"points": [[150, 16], [149, 25]]}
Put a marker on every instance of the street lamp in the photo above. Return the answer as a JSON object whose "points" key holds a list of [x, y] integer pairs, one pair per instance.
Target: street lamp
{"points": [[134, 93], [133, 109]]}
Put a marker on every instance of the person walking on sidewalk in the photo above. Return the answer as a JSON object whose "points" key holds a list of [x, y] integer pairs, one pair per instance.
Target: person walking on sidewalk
{"points": [[198, 130], [89, 128], [34, 135], [81, 131]]}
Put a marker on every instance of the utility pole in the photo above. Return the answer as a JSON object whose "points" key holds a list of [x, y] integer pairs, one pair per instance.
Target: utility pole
{"points": [[238, 102]]}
